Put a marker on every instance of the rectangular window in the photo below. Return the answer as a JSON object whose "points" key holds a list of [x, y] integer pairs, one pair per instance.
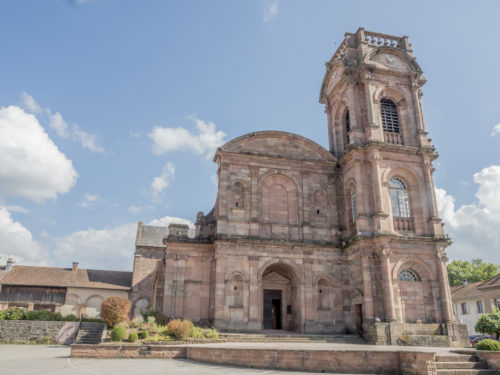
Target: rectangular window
{"points": [[480, 307], [465, 309]]}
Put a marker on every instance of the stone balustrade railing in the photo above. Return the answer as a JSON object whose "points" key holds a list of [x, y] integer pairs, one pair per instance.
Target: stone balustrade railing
{"points": [[379, 39], [404, 224], [393, 138]]}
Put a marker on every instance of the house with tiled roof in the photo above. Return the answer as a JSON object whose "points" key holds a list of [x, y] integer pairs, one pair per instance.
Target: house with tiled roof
{"points": [[472, 300], [72, 290]]}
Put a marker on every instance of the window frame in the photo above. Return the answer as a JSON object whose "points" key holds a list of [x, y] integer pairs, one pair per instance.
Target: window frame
{"points": [[390, 116], [400, 199]]}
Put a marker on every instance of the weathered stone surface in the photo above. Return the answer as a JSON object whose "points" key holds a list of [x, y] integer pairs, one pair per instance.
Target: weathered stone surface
{"points": [[25, 331], [306, 239]]}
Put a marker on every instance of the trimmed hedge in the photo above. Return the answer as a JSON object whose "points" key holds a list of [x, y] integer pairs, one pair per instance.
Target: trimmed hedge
{"points": [[118, 333], [488, 344], [22, 313], [133, 337]]}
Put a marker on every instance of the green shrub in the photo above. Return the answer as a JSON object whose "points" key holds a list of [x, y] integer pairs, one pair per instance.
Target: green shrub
{"points": [[13, 313], [488, 344], [198, 333], [180, 329], [136, 322], [44, 315], [132, 337], [489, 323], [146, 314], [70, 318], [143, 335], [211, 334], [114, 310], [118, 334], [92, 320]]}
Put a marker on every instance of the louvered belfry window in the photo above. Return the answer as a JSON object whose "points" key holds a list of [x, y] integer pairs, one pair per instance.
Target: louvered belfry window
{"points": [[389, 112], [347, 127]]}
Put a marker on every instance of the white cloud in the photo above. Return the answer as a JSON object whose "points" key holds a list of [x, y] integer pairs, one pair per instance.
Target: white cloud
{"points": [[474, 227], [134, 209], [496, 130], [167, 220], [57, 123], [89, 200], [88, 141], [17, 242], [29, 103], [204, 141], [270, 11], [15, 208], [162, 181], [31, 165]]}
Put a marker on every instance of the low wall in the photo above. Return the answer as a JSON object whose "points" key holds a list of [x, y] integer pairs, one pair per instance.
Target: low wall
{"points": [[493, 358], [345, 361], [34, 331], [437, 335], [127, 351]]}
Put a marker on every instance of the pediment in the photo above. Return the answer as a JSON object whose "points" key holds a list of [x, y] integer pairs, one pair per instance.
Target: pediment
{"points": [[278, 144], [275, 278]]}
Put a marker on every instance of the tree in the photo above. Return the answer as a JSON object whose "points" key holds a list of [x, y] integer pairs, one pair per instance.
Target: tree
{"points": [[473, 271], [489, 323], [114, 310]]}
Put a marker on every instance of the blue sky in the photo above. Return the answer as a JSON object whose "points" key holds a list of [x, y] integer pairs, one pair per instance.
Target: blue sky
{"points": [[111, 110]]}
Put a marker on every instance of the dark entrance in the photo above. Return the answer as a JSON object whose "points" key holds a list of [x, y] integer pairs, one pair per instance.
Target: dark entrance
{"points": [[272, 309], [358, 316]]}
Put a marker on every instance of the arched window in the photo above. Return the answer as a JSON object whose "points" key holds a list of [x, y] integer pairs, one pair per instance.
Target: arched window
{"points": [[399, 198], [407, 275], [237, 290], [354, 204], [347, 124], [389, 113], [323, 295]]}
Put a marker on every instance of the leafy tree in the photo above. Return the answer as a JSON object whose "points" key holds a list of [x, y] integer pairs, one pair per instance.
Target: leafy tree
{"points": [[471, 271], [489, 323], [114, 310]]}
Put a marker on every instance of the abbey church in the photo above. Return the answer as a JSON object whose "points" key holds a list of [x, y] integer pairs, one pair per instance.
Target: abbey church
{"points": [[311, 240]]}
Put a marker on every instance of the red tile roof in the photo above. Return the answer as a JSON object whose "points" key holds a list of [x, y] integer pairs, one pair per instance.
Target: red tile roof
{"points": [[66, 277]]}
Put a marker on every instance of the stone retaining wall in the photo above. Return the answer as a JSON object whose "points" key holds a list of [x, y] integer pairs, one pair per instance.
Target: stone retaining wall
{"points": [[29, 331], [346, 361], [127, 351]]}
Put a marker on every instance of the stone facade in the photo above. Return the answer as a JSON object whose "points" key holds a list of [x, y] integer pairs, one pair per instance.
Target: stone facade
{"points": [[26, 331], [313, 240]]}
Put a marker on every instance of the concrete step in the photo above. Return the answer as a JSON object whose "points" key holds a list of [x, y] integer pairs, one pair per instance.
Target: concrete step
{"points": [[466, 372], [235, 337], [457, 358], [90, 333], [461, 365]]}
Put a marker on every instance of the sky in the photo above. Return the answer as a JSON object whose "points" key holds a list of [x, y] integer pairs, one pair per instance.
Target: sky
{"points": [[111, 110]]}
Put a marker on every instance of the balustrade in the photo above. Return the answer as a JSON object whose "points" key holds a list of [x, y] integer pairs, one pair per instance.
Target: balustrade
{"points": [[404, 224]]}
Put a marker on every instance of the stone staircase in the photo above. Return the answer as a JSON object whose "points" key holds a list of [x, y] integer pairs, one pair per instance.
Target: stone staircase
{"points": [[290, 337], [90, 333], [462, 364]]}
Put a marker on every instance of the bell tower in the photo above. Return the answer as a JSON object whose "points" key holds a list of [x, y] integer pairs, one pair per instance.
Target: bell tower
{"points": [[393, 237]]}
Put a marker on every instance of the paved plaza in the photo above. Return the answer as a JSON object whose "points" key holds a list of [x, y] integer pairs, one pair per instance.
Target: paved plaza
{"points": [[42, 360]]}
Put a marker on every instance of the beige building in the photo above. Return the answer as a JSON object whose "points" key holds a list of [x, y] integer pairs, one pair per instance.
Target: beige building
{"points": [[312, 240], [470, 301], [66, 290]]}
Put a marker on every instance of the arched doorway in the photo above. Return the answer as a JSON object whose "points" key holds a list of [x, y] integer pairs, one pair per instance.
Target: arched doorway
{"points": [[280, 298]]}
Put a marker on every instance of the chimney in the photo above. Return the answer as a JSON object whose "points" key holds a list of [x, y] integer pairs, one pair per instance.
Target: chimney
{"points": [[75, 266], [9, 264]]}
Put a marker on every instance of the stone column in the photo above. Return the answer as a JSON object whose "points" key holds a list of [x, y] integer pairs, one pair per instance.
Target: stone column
{"points": [[180, 285], [254, 305], [390, 313], [444, 289], [367, 288], [220, 267]]}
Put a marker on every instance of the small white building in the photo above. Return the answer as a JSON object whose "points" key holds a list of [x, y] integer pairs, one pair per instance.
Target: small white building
{"points": [[470, 301], [66, 290]]}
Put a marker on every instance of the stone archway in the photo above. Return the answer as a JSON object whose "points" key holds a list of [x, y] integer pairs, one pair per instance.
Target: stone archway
{"points": [[280, 298]]}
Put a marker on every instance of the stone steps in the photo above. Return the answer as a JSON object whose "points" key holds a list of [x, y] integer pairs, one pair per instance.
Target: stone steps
{"points": [[462, 364], [90, 333], [276, 337]]}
